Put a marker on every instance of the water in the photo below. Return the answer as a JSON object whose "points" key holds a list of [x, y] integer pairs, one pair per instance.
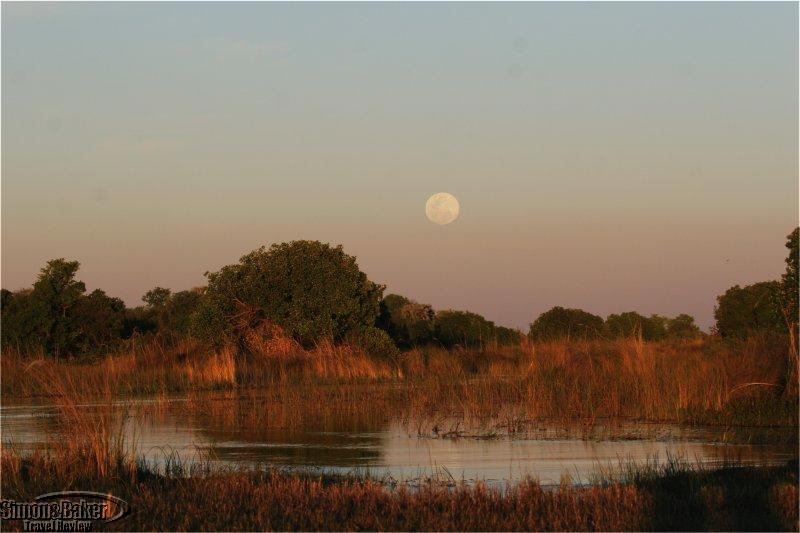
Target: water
{"points": [[229, 433]]}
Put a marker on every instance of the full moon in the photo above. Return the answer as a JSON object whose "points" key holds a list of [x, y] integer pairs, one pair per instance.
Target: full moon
{"points": [[442, 208]]}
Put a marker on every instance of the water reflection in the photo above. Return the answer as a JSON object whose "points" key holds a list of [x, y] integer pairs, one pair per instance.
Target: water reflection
{"points": [[244, 431]]}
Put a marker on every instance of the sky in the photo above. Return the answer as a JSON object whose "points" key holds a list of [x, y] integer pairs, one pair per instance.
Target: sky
{"points": [[606, 156]]}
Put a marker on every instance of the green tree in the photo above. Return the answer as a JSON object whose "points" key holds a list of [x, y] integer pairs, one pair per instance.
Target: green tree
{"points": [[312, 290], [462, 328], [54, 297], [561, 323], [57, 317], [178, 311], [157, 297], [633, 324], [171, 312], [21, 323], [682, 327], [507, 336], [97, 322], [408, 323], [789, 288], [742, 311]]}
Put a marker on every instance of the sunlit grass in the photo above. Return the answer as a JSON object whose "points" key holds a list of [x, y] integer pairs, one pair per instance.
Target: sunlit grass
{"points": [[696, 382]]}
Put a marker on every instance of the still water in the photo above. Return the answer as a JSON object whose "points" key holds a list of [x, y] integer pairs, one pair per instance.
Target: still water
{"points": [[396, 449]]}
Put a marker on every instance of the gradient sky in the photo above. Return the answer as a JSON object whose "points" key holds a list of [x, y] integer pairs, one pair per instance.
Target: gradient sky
{"points": [[611, 157]]}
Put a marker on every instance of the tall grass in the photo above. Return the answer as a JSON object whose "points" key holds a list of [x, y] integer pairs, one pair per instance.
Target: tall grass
{"points": [[693, 382], [700, 381], [674, 498]]}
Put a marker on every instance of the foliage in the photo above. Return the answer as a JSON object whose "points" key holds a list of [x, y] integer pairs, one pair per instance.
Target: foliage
{"points": [[375, 342], [742, 311], [507, 336], [138, 320], [98, 321], [462, 328], [156, 297], [560, 323], [178, 310], [408, 323], [789, 284], [56, 317], [20, 322], [633, 324], [682, 327], [171, 312], [312, 290]]}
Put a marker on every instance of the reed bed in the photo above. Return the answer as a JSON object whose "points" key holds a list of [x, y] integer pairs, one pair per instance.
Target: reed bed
{"points": [[88, 449], [695, 382], [674, 498]]}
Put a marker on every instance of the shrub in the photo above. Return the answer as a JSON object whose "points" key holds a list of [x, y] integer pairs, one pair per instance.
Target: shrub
{"points": [[170, 312], [633, 324], [408, 323], [55, 316], [507, 336], [375, 342], [462, 328], [561, 323], [312, 290], [789, 285], [682, 327], [742, 311], [98, 322]]}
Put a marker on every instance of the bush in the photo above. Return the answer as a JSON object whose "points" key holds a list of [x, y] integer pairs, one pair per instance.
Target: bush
{"points": [[56, 317], [682, 327], [375, 342], [789, 285], [633, 324], [507, 336], [745, 310], [312, 290], [408, 323], [462, 328], [98, 322], [560, 323], [172, 313]]}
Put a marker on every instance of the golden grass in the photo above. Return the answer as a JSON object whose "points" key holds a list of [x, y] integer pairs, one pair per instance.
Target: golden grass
{"points": [[205, 499], [685, 382], [700, 381]]}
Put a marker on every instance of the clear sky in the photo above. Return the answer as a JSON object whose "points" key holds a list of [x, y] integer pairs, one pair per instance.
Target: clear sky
{"points": [[611, 157]]}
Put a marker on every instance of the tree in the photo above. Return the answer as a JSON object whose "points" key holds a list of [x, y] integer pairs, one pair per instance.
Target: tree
{"points": [[97, 321], [20, 321], [408, 323], [312, 290], [178, 311], [462, 328], [745, 310], [682, 327], [54, 296], [561, 323], [171, 313], [57, 317], [156, 297], [633, 324], [507, 336], [789, 288]]}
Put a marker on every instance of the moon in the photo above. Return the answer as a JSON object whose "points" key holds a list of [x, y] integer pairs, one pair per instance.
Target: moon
{"points": [[442, 208]]}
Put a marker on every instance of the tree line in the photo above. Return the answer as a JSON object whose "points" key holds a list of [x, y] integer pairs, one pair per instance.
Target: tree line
{"points": [[312, 291]]}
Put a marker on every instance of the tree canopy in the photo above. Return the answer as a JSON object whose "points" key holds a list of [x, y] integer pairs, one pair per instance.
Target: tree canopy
{"points": [[312, 290], [742, 311], [564, 323]]}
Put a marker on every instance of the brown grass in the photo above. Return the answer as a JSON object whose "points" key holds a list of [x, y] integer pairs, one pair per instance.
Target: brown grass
{"points": [[667, 499], [88, 452], [702, 381]]}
